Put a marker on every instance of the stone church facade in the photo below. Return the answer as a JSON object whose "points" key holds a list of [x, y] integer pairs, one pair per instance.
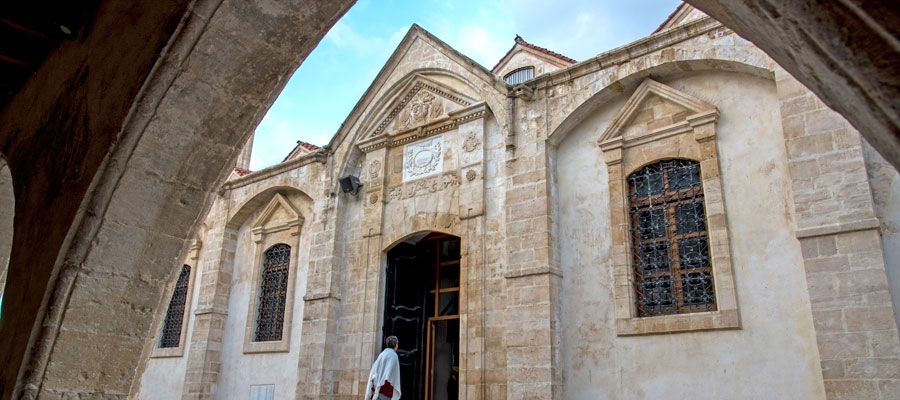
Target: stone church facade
{"points": [[674, 218]]}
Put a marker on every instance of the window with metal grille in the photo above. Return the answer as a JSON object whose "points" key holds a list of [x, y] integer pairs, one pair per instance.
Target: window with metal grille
{"points": [[171, 332], [520, 75], [672, 271], [272, 293]]}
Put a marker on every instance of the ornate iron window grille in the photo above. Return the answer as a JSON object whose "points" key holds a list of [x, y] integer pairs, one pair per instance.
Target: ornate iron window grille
{"points": [[672, 270], [272, 293], [171, 332]]}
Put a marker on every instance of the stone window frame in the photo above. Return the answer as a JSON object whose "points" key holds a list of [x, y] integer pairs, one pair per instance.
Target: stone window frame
{"points": [[265, 234], [163, 352], [690, 136]]}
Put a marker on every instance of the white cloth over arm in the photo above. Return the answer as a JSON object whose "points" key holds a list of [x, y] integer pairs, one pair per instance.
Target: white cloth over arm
{"points": [[386, 368]]}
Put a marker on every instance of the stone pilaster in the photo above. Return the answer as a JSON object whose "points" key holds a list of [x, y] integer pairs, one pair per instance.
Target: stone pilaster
{"points": [[216, 268], [532, 277], [852, 312], [320, 313], [472, 143]]}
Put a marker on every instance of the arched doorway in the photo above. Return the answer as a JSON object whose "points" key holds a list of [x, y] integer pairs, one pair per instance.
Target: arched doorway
{"points": [[421, 308]]}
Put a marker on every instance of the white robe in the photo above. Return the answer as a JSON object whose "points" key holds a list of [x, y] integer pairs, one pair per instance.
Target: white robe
{"points": [[386, 368]]}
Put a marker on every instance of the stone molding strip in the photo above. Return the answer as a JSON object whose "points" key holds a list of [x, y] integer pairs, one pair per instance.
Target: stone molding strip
{"points": [[628, 52], [841, 227], [320, 296], [319, 156], [442, 125], [210, 310], [409, 95], [542, 270]]}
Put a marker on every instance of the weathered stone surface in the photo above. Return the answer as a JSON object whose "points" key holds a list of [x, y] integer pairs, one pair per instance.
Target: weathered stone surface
{"points": [[153, 158], [537, 283], [845, 52]]}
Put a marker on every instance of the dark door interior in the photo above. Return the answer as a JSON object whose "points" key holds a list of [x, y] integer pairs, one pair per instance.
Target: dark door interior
{"points": [[422, 310]]}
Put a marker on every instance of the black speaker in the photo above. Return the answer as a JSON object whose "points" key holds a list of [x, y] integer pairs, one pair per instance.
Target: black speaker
{"points": [[350, 184]]}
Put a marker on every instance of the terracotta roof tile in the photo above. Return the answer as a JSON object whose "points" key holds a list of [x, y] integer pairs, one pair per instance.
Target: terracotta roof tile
{"points": [[308, 146], [543, 50]]}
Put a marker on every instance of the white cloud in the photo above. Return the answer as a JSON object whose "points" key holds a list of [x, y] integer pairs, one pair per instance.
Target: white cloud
{"points": [[582, 29], [346, 38], [273, 140], [478, 43]]}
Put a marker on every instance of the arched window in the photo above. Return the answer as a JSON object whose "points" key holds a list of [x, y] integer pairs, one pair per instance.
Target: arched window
{"points": [[669, 238], [520, 75], [171, 332], [272, 293]]}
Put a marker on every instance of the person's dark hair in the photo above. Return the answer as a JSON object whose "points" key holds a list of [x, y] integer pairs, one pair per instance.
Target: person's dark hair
{"points": [[391, 341]]}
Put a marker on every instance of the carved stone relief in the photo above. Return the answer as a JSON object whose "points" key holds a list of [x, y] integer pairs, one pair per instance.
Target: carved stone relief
{"points": [[450, 180], [423, 158], [471, 143], [374, 168], [424, 186], [424, 107], [471, 175]]}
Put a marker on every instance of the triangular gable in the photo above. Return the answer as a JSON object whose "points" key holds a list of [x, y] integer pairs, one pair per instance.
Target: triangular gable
{"points": [[679, 108], [683, 14], [422, 101], [536, 52], [278, 215], [377, 108], [301, 149]]}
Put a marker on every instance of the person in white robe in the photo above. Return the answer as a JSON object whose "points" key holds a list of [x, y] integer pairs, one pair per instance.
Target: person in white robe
{"points": [[384, 379]]}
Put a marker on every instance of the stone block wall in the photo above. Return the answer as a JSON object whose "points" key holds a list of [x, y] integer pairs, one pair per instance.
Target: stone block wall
{"points": [[501, 199], [842, 249]]}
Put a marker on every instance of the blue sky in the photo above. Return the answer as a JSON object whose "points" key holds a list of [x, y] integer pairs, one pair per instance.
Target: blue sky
{"points": [[325, 88]]}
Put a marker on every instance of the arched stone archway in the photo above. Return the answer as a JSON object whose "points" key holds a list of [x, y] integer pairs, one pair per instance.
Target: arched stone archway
{"points": [[594, 97], [7, 215], [89, 192], [128, 175]]}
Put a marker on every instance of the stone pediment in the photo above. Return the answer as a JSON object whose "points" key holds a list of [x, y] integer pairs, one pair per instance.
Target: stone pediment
{"points": [[278, 215], [422, 101], [656, 110]]}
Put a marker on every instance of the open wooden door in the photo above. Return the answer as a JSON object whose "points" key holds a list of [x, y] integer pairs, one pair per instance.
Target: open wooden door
{"points": [[422, 310]]}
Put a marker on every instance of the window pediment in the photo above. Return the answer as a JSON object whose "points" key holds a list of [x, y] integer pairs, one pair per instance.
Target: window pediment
{"points": [[656, 111], [679, 279], [278, 215]]}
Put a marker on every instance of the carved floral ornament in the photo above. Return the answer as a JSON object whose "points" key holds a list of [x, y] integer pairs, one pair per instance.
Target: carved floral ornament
{"points": [[471, 143], [374, 168]]}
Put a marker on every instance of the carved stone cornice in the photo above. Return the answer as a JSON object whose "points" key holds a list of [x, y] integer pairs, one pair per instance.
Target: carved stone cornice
{"points": [[448, 123], [410, 94]]}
